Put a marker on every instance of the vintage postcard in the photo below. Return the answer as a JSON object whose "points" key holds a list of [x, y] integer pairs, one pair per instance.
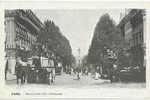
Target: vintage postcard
{"points": [[74, 49]]}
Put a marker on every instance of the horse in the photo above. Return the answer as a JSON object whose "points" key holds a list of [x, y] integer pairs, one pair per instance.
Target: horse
{"points": [[21, 72]]}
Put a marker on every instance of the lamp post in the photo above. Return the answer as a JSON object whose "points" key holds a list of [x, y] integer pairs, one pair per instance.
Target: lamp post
{"points": [[79, 59]]}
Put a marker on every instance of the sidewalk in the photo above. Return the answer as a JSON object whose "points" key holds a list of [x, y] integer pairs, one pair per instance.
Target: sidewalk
{"points": [[11, 77]]}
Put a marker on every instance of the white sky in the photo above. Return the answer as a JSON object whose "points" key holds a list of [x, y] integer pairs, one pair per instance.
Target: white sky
{"points": [[77, 25]]}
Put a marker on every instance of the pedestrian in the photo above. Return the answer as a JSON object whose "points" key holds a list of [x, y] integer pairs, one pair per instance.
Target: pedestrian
{"points": [[53, 75], [78, 76], [86, 71], [71, 71], [97, 75], [49, 72], [6, 69], [50, 78], [74, 74]]}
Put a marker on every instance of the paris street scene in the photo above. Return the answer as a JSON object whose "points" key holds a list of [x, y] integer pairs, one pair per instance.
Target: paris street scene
{"points": [[75, 48]]}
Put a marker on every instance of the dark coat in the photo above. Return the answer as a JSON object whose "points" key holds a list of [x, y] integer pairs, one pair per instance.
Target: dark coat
{"points": [[19, 71]]}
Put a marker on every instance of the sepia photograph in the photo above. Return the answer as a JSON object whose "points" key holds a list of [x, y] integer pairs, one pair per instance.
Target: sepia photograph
{"points": [[46, 47], [70, 50]]}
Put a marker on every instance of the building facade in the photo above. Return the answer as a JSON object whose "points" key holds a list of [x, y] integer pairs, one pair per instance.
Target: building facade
{"points": [[133, 31], [22, 28]]}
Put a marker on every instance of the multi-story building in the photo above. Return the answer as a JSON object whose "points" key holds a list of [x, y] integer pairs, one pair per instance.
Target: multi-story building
{"points": [[22, 28], [132, 28]]}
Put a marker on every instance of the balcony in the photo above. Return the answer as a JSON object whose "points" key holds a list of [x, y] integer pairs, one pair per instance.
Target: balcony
{"points": [[28, 24]]}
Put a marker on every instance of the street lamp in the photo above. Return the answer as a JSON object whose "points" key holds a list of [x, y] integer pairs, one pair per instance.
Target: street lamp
{"points": [[79, 56]]}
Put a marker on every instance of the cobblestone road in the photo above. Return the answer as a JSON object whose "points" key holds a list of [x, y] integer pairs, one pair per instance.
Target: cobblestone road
{"points": [[68, 81]]}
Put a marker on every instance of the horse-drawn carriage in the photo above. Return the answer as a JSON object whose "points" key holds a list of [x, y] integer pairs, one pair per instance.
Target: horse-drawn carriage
{"points": [[37, 70]]}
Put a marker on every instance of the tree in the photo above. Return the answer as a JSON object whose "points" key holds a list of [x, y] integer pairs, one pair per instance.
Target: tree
{"points": [[54, 40], [107, 36]]}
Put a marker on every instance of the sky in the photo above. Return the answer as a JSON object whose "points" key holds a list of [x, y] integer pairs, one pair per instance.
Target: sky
{"points": [[77, 25]]}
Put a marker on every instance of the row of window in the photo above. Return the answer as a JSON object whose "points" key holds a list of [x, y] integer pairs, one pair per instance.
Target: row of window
{"points": [[23, 43], [137, 39], [10, 46], [23, 37], [21, 33]]}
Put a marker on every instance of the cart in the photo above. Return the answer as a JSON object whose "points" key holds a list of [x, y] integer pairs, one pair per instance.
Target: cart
{"points": [[40, 71]]}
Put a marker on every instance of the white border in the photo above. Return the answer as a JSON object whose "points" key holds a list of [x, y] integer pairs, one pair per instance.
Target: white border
{"points": [[74, 93]]}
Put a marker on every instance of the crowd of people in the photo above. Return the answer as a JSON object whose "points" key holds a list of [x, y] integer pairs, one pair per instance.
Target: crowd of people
{"points": [[96, 74], [77, 73]]}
